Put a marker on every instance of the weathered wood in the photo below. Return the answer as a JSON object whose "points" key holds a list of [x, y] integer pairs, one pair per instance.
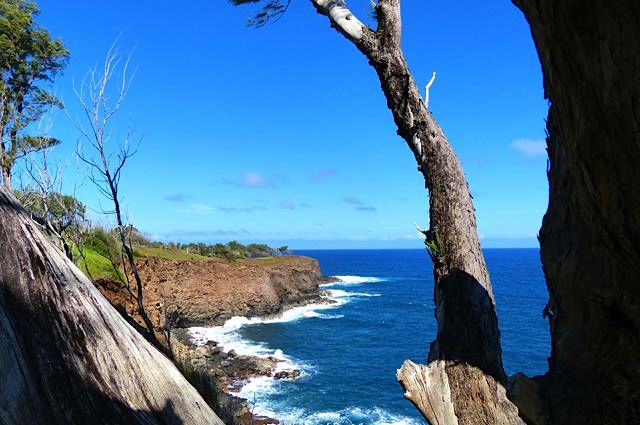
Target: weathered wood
{"points": [[66, 356], [453, 393], [590, 237]]}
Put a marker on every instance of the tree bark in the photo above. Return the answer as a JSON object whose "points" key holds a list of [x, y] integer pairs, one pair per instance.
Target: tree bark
{"points": [[466, 354], [6, 178], [590, 236], [67, 356]]}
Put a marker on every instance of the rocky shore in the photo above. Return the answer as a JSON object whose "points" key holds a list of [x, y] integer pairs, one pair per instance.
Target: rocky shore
{"points": [[179, 294]]}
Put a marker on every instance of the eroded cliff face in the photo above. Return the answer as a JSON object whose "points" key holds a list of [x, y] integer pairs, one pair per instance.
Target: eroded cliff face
{"points": [[207, 292]]}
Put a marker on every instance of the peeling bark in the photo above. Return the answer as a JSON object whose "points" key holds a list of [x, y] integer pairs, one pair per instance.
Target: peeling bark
{"points": [[67, 356], [467, 346], [590, 237]]}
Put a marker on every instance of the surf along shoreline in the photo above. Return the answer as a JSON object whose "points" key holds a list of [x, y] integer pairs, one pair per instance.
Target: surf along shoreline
{"points": [[250, 367]]}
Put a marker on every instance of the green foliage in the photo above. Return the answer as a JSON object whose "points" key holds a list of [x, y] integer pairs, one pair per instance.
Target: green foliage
{"points": [[29, 58], [103, 251], [436, 250], [271, 11], [99, 266], [59, 210], [169, 253], [104, 243], [232, 250]]}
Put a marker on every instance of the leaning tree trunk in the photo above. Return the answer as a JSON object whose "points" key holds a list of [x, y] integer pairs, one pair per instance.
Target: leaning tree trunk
{"points": [[66, 356], [464, 381], [590, 237]]}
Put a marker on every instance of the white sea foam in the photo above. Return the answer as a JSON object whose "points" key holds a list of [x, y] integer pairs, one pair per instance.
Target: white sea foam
{"points": [[348, 416], [352, 280], [228, 337], [257, 391], [339, 293]]}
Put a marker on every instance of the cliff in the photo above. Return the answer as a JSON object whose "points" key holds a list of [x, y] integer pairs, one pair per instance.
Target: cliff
{"points": [[207, 292]]}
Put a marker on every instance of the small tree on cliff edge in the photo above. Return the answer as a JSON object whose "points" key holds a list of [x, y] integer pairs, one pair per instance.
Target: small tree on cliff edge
{"points": [[105, 167], [468, 338], [29, 58]]}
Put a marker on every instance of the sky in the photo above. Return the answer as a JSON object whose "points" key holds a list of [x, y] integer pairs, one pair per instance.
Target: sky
{"points": [[281, 134]]}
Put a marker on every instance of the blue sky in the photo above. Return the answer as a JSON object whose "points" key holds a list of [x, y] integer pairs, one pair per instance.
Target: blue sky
{"points": [[282, 135]]}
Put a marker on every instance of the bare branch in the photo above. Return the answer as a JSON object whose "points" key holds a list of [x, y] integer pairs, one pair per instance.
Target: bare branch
{"points": [[342, 18], [426, 91], [105, 169]]}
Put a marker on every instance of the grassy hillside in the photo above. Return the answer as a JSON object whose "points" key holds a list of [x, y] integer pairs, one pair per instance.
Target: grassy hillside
{"points": [[101, 268]]}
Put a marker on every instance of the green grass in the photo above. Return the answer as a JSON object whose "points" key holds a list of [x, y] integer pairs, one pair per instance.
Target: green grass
{"points": [[172, 254], [99, 267]]}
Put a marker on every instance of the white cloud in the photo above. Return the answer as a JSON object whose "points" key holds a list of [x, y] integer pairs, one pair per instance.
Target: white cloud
{"points": [[254, 180], [323, 174], [197, 209], [352, 200], [287, 205], [530, 148]]}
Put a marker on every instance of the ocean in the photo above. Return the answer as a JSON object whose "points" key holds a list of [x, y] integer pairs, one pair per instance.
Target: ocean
{"points": [[349, 351]]}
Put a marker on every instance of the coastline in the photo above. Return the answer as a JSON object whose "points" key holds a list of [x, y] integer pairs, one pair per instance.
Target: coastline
{"points": [[235, 365], [251, 367]]}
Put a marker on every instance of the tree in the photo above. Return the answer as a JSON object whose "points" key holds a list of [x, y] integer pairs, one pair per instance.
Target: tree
{"points": [[590, 236], [106, 168], [29, 58], [67, 356], [61, 216], [466, 354], [55, 212]]}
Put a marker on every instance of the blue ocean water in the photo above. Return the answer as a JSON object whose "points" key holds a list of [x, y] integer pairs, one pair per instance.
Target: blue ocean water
{"points": [[350, 352]]}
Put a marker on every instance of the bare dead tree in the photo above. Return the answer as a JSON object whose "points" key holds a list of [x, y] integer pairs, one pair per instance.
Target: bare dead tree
{"points": [[101, 97]]}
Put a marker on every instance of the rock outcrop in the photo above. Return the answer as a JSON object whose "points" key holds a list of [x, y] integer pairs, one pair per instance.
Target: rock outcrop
{"points": [[207, 292], [182, 293]]}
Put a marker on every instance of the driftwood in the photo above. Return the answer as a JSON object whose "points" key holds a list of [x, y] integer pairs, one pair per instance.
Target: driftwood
{"points": [[66, 356]]}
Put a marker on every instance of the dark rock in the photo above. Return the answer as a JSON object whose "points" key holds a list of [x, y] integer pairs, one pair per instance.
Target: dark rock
{"points": [[287, 374]]}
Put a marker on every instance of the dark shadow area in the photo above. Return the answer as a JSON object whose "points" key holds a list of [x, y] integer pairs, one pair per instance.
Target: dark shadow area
{"points": [[467, 325], [49, 345], [48, 390]]}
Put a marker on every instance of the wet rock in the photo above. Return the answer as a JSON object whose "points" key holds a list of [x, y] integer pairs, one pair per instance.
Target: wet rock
{"points": [[287, 374]]}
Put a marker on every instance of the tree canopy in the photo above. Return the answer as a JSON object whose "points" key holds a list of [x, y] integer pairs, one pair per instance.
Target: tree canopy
{"points": [[29, 59]]}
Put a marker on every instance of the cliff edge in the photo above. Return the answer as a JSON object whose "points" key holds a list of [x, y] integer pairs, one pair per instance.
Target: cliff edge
{"points": [[207, 292]]}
